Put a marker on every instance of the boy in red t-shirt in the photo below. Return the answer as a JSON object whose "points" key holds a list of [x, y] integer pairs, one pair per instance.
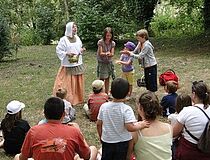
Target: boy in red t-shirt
{"points": [[95, 100]]}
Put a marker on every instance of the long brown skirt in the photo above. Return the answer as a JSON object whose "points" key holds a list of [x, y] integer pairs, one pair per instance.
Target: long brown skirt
{"points": [[74, 84]]}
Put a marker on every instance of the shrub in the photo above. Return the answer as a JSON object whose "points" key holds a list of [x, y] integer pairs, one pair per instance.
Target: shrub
{"points": [[170, 21], [28, 37], [92, 19], [45, 15], [5, 44]]}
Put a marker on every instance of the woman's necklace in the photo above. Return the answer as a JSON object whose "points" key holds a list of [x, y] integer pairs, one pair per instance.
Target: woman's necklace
{"points": [[72, 39]]}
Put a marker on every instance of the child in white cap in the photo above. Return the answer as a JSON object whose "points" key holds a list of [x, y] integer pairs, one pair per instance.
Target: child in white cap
{"points": [[127, 64], [14, 128], [95, 100]]}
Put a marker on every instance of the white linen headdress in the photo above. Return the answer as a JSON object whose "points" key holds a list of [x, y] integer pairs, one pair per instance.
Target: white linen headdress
{"points": [[69, 27]]}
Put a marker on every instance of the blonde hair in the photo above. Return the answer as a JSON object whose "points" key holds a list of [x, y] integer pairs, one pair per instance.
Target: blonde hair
{"points": [[143, 33], [61, 93]]}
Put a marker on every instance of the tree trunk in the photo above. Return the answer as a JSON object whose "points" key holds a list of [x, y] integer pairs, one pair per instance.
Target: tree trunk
{"points": [[146, 12], [66, 9], [207, 16]]}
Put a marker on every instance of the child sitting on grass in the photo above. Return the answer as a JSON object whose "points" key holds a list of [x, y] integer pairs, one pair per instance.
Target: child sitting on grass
{"points": [[182, 100], [14, 128], [95, 100], [69, 110], [127, 64], [168, 101]]}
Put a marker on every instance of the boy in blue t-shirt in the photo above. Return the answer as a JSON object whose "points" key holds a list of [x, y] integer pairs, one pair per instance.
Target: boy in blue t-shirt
{"points": [[168, 101], [127, 64]]}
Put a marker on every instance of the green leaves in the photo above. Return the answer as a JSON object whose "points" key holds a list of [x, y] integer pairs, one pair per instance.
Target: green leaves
{"points": [[5, 44]]}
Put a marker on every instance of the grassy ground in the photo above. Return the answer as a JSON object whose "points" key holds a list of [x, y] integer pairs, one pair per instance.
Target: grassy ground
{"points": [[30, 76]]}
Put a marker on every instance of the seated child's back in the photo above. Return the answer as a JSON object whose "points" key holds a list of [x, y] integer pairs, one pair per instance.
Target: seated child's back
{"points": [[168, 101], [96, 99]]}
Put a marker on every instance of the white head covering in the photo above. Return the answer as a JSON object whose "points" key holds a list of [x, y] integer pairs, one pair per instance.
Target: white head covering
{"points": [[69, 27]]}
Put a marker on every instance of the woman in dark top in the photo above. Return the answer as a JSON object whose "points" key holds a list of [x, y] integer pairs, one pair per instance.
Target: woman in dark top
{"points": [[14, 128]]}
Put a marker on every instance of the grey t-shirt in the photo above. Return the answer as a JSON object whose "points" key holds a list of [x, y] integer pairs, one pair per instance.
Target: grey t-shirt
{"points": [[105, 48]]}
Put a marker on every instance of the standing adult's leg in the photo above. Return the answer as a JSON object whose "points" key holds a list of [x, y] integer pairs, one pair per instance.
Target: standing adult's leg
{"points": [[106, 84], [151, 78]]}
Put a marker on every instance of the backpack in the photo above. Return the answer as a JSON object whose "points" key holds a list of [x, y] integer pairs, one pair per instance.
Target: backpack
{"points": [[168, 75], [141, 82], [204, 141]]}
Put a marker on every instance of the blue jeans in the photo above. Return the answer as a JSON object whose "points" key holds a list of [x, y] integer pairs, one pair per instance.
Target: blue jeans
{"points": [[114, 151]]}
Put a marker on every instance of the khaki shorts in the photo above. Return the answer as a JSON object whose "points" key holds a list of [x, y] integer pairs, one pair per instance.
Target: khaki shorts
{"points": [[129, 76]]}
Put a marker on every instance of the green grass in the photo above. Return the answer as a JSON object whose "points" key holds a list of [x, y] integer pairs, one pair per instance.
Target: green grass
{"points": [[30, 77]]}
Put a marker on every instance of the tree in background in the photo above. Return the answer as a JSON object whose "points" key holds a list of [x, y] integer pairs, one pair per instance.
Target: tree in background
{"points": [[39, 22], [45, 16], [207, 16], [5, 44]]}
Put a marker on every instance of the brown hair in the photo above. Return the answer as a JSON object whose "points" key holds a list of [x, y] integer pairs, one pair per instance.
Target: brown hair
{"points": [[106, 30], [143, 33], [61, 93], [149, 102], [183, 100], [8, 123], [171, 86], [202, 92]]}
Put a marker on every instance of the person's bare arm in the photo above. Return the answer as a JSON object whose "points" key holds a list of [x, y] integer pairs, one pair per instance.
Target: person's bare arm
{"points": [[124, 63], [20, 157], [99, 127], [177, 129], [131, 145], [111, 53], [101, 53], [131, 127]]}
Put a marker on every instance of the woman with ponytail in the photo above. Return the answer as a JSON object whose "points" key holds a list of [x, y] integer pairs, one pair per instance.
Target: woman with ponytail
{"points": [[191, 122], [153, 143]]}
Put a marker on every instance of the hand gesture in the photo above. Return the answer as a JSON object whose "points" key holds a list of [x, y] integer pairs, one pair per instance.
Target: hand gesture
{"points": [[143, 124], [118, 62]]}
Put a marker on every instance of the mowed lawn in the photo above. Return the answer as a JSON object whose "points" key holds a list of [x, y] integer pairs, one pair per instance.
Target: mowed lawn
{"points": [[30, 76]]}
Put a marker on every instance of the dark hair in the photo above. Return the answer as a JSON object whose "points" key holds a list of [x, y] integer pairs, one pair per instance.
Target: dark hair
{"points": [[202, 92], [171, 86], [96, 91], [54, 108], [149, 102], [9, 121], [119, 88], [106, 30], [183, 100], [61, 93]]}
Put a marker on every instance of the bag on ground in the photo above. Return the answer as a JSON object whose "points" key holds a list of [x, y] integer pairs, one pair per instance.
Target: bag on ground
{"points": [[168, 75]]}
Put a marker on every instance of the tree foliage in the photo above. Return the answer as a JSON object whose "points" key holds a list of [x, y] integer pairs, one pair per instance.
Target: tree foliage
{"points": [[45, 16], [40, 21], [191, 7], [5, 44], [206, 13]]}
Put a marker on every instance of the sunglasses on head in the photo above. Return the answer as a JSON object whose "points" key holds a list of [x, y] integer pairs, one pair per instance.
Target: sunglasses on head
{"points": [[196, 82]]}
